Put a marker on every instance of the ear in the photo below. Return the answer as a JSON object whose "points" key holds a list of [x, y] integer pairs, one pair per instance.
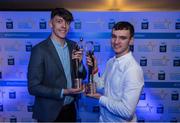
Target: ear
{"points": [[50, 24], [131, 42]]}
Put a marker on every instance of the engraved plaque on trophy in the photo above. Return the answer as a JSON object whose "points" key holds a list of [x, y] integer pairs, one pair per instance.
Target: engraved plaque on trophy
{"points": [[90, 87]]}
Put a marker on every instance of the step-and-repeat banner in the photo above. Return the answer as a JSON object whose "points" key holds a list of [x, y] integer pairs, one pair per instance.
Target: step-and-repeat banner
{"points": [[156, 48]]}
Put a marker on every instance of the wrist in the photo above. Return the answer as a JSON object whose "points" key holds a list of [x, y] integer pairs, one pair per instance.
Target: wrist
{"points": [[95, 70], [66, 92]]}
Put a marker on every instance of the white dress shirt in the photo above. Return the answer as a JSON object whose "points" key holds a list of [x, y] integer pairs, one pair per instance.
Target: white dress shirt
{"points": [[123, 82]]}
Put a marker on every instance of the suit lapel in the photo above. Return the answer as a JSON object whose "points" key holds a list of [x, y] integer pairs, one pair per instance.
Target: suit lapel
{"points": [[70, 47], [55, 56]]}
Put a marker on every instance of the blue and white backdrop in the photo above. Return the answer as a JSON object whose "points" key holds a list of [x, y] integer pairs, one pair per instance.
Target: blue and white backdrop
{"points": [[156, 48]]}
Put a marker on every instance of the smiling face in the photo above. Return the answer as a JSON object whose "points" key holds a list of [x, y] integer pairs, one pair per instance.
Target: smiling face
{"points": [[121, 39], [59, 27]]}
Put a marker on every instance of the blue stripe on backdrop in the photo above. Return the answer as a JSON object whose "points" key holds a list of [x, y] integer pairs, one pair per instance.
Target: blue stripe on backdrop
{"points": [[90, 35], [157, 36], [13, 83], [162, 84], [24, 34], [147, 84]]}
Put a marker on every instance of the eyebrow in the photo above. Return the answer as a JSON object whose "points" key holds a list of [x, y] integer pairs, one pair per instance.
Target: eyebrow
{"points": [[59, 19], [121, 37]]}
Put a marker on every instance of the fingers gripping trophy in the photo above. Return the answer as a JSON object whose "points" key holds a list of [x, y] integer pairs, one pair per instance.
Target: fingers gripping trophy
{"points": [[90, 87]]}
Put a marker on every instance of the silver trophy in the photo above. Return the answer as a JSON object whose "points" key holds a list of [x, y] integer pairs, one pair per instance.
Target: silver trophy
{"points": [[90, 87]]}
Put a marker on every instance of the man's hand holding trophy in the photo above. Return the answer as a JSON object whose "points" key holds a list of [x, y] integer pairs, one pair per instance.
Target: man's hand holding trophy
{"points": [[77, 64], [89, 88]]}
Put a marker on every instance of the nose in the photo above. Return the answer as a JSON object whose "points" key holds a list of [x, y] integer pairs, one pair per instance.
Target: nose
{"points": [[117, 40], [64, 24]]}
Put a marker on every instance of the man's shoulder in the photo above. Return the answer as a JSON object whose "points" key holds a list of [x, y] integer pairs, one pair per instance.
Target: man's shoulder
{"points": [[41, 45], [133, 64], [111, 59], [70, 41]]}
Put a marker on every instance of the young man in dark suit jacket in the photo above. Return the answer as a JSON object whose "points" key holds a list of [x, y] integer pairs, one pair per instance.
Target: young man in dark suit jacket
{"points": [[50, 72]]}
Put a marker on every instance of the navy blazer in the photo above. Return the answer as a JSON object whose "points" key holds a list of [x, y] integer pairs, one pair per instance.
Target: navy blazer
{"points": [[46, 79]]}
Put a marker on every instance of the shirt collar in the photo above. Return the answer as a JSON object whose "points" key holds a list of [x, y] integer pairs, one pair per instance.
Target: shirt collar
{"points": [[123, 57], [55, 42]]}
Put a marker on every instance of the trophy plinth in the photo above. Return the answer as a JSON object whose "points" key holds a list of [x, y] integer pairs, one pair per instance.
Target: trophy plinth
{"points": [[78, 83]]}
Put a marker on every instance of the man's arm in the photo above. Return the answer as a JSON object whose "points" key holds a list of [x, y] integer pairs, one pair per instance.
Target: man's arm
{"points": [[35, 77], [126, 106]]}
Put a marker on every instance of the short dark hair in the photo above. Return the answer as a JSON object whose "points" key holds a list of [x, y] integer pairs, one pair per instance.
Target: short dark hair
{"points": [[62, 12], [124, 25]]}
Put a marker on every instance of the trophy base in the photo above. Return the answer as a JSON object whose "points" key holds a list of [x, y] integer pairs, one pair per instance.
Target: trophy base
{"points": [[78, 83], [90, 88]]}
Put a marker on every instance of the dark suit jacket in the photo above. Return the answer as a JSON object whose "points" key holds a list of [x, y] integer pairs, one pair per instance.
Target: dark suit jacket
{"points": [[46, 79]]}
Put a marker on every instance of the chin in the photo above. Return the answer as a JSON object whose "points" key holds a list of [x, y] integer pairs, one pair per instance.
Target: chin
{"points": [[117, 50], [62, 37]]}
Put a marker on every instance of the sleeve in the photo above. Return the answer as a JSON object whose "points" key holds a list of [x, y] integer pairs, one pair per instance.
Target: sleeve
{"points": [[126, 106], [35, 77], [99, 81], [61, 94]]}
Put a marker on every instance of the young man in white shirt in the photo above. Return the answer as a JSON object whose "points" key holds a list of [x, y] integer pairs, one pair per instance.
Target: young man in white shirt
{"points": [[122, 79]]}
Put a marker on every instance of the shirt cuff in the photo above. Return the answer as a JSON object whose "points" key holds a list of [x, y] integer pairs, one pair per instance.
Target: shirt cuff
{"points": [[102, 100], [61, 94], [96, 76]]}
